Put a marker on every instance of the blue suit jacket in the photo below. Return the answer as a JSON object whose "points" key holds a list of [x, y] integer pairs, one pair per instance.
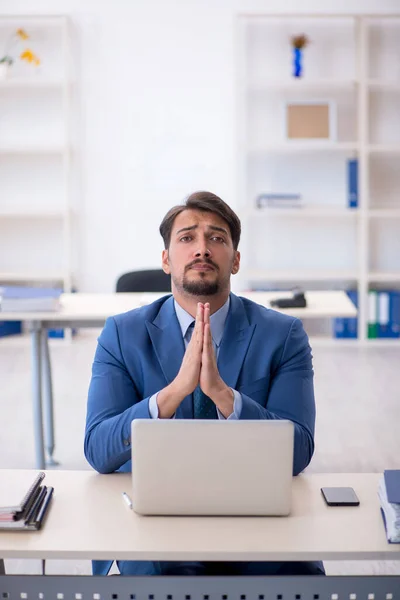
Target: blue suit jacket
{"points": [[264, 354]]}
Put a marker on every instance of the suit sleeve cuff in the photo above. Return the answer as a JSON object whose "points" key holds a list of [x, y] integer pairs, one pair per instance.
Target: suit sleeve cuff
{"points": [[153, 406]]}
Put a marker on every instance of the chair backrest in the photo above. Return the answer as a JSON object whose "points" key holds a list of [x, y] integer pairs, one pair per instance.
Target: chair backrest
{"points": [[151, 280]]}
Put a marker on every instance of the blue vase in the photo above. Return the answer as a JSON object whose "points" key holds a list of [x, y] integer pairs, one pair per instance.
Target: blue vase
{"points": [[297, 62]]}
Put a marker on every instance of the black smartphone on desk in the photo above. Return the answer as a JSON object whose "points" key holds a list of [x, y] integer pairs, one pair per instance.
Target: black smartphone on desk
{"points": [[340, 496]]}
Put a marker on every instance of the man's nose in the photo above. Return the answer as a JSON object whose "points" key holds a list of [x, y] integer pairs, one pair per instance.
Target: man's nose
{"points": [[203, 250]]}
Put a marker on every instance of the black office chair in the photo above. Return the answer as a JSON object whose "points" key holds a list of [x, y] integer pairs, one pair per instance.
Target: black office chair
{"points": [[151, 280]]}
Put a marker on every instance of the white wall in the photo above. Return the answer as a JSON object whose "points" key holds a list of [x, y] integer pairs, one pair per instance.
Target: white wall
{"points": [[157, 115]]}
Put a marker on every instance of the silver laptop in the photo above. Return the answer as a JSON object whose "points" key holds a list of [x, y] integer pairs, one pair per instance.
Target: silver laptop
{"points": [[194, 467]]}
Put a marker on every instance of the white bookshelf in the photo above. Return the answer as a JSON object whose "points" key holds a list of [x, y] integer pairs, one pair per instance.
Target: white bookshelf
{"points": [[35, 152], [352, 61]]}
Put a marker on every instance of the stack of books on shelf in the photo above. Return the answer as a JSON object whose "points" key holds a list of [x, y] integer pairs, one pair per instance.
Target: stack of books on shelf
{"points": [[26, 299], [279, 200], [389, 497], [24, 507], [383, 316]]}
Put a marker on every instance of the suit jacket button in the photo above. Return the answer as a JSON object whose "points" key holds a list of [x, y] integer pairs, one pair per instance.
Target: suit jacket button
{"points": [[127, 442]]}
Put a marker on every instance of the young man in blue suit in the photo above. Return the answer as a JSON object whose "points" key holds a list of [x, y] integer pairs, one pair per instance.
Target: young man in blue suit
{"points": [[201, 353]]}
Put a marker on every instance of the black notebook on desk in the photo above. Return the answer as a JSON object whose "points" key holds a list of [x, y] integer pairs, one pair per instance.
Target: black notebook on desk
{"points": [[24, 508]]}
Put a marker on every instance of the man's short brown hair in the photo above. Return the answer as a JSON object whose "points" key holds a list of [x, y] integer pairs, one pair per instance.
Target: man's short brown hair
{"points": [[207, 202]]}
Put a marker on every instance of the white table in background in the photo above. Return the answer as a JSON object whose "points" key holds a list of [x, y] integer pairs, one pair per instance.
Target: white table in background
{"points": [[92, 310], [89, 520]]}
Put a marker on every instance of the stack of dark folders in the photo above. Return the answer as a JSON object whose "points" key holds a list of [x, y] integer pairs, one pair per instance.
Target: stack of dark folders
{"points": [[23, 506]]}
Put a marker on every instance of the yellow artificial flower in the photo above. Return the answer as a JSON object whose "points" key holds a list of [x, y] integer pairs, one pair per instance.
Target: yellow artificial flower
{"points": [[30, 57], [21, 33]]}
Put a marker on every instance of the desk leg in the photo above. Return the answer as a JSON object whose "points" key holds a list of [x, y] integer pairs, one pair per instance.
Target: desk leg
{"points": [[36, 334], [47, 395]]}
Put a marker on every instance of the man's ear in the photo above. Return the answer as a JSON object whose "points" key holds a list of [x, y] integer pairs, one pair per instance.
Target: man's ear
{"points": [[165, 262], [236, 263]]}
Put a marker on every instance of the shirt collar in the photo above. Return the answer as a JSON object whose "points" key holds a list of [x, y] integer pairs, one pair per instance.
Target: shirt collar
{"points": [[217, 320]]}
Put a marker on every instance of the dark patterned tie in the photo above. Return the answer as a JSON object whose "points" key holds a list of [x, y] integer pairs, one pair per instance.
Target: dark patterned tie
{"points": [[203, 406]]}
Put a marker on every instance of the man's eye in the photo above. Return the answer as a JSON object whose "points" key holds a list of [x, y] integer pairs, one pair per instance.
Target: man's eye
{"points": [[218, 239], [186, 238]]}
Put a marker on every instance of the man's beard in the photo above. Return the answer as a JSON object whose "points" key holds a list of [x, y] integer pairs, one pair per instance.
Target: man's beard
{"points": [[200, 287]]}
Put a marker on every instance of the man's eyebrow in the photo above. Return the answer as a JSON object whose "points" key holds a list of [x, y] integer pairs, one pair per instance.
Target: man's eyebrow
{"points": [[212, 227], [215, 228], [186, 229]]}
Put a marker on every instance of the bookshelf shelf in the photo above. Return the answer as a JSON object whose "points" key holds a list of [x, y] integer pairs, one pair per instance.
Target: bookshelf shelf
{"points": [[384, 277], [34, 83], [382, 84], [29, 214], [32, 149], [306, 147], [384, 148], [260, 275], [317, 211], [33, 21], [384, 213], [301, 85]]}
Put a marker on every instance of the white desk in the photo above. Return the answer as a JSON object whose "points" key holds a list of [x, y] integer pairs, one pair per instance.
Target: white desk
{"points": [[91, 310], [89, 520]]}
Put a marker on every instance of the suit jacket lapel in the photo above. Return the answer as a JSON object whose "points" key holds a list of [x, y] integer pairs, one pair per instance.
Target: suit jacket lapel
{"points": [[166, 336], [235, 342]]}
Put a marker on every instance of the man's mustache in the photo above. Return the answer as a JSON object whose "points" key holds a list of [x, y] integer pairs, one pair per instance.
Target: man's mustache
{"points": [[205, 261]]}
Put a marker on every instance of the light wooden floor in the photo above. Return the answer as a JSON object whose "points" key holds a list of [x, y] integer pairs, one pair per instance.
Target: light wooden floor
{"points": [[358, 419]]}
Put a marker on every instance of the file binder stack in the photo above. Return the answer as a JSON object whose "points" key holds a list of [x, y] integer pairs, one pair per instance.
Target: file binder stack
{"points": [[21, 299], [389, 496], [28, 513], [383, 316]]}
